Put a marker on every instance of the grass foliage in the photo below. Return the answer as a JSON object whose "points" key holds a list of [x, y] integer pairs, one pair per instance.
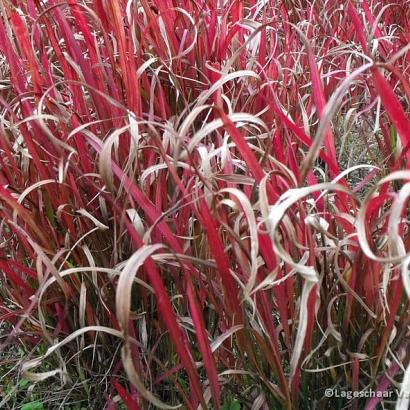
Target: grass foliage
{"points": [[204, 204]]}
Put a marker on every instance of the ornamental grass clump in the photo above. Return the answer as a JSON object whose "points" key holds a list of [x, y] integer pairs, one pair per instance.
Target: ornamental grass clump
{"points": [[204, 204]]}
